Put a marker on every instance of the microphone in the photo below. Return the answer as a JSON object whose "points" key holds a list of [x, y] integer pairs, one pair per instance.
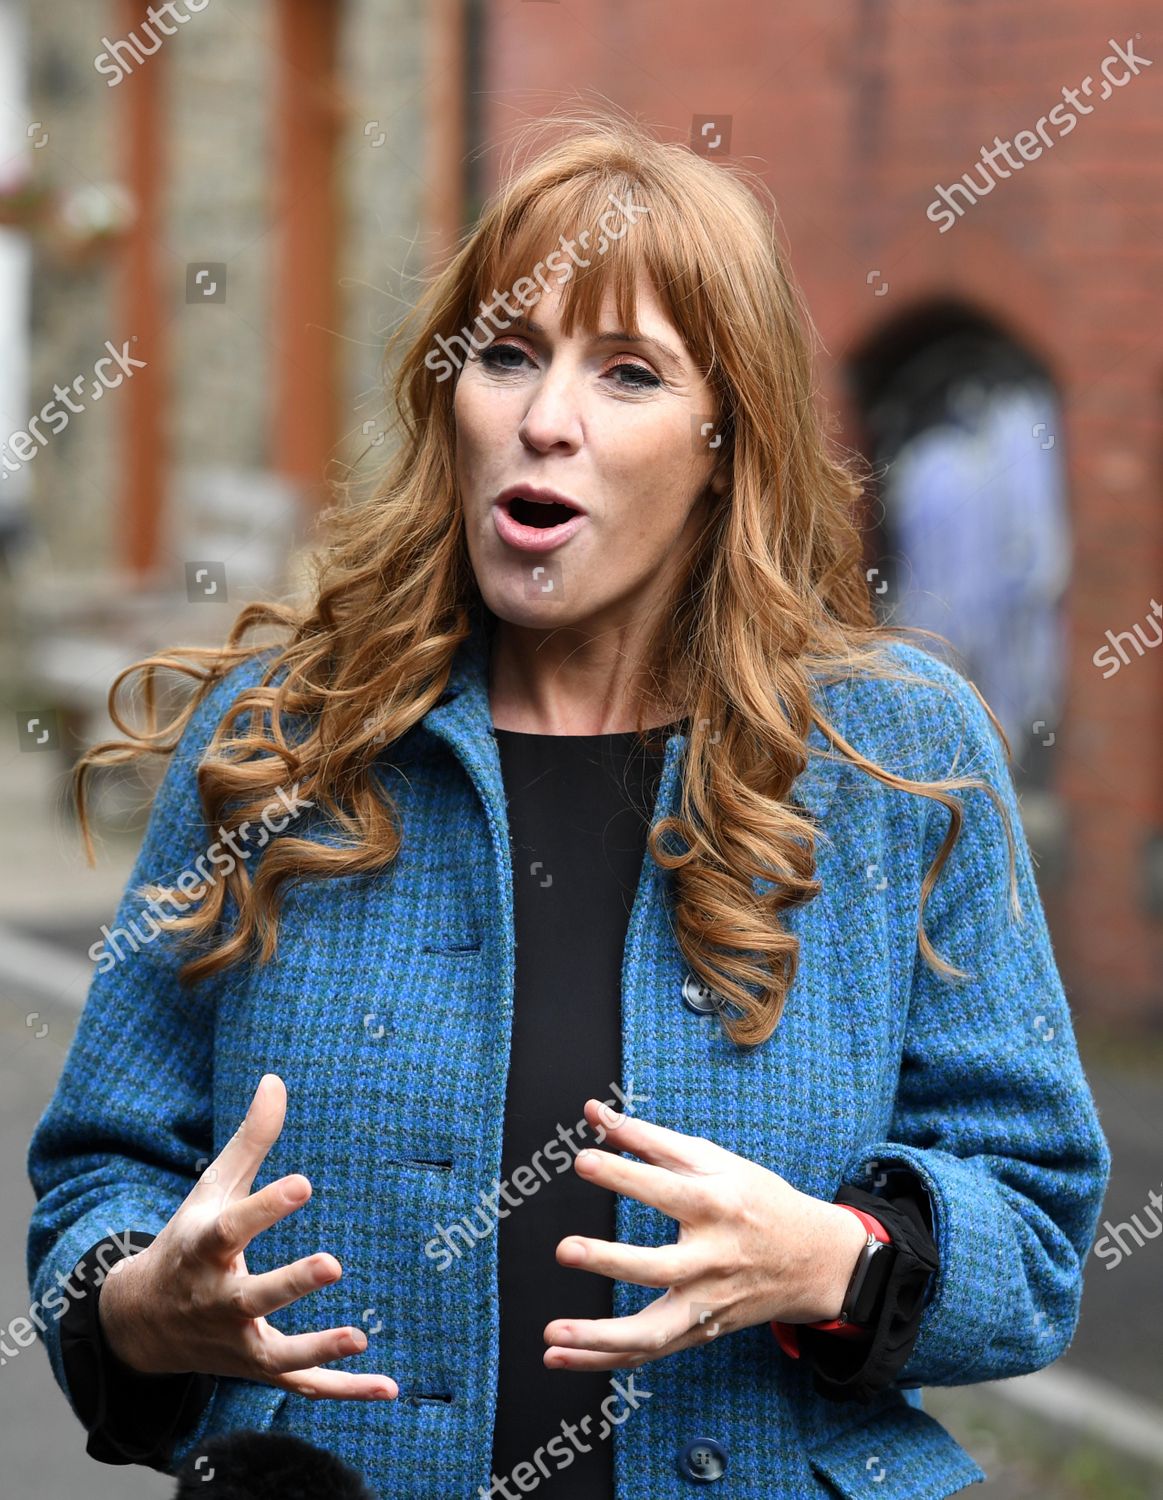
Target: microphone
{"points": [[250, 1465]]}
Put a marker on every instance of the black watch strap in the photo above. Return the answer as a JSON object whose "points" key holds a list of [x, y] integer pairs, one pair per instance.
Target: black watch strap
{"points": [[869, 1280]]}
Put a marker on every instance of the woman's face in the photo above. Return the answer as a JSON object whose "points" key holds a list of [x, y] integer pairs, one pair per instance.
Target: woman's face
{"points": [[609, 423]]}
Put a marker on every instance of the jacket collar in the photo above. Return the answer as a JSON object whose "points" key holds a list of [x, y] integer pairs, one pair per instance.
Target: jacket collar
{"points": [[463, 718]]}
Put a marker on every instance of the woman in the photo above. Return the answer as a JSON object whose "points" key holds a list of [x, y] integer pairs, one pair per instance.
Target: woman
{"points": [[599, 781]]}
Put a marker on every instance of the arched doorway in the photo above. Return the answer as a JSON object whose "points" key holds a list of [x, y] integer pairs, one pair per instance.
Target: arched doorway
{"points": [[972, 534]]}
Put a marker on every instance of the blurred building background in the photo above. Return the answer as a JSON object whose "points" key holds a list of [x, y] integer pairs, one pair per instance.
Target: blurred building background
{"points": [[970, 194], [244, 208]]}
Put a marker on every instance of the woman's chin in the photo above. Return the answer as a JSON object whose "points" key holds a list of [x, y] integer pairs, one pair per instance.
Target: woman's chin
{"points": [[531, 595], [534, 614]]}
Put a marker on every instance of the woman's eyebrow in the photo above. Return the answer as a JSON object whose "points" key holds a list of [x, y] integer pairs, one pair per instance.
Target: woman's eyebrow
{"points": [[665, 353]]}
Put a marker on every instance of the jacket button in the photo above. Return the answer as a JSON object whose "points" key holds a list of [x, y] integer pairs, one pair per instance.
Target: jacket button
{"points": [[702, 1460], [700, 997]]}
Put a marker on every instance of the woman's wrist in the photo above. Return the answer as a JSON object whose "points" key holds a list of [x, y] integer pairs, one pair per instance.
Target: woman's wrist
{"points": [[115, 1305], [843, 1243]]}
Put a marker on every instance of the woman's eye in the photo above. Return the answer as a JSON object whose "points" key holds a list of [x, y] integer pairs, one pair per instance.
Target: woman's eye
{"points": [[642, 378], [496, 358], [488, 357]]}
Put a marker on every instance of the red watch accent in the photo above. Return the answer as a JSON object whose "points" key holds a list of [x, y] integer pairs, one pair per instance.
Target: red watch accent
{"points": [[786, 1334]]}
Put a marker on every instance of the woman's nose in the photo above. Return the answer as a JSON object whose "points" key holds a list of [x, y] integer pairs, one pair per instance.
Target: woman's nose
{"points": [[552, 417]]}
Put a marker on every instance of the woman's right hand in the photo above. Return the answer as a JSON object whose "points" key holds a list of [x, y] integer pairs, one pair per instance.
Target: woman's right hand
{"points": [[188, 1303]]}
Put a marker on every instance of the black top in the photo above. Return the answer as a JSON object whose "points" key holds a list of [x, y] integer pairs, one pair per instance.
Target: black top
{"points": [[579, 807]]}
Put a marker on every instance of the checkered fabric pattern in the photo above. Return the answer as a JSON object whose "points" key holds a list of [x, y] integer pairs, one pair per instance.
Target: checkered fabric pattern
{"points": [[387, 1012]]}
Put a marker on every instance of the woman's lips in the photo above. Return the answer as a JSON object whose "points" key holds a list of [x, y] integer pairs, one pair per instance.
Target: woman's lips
{"points": [[535, 538]]}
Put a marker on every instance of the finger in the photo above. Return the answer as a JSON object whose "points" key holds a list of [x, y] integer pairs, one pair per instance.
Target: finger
{"points": [[684, 1198], [339, 1385], [566, 1357], [278, 1353], [586, 1359], [237, 1163], [666, 1148], [668, 1265], [257, 1295], [234, 1226], [649, 1331]]}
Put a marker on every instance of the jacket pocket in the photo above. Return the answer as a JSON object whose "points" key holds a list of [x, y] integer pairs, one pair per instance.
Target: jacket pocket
{"points": [[899, 1454]]}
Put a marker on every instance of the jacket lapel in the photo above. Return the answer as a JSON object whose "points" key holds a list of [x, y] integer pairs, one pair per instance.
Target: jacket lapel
{"points": [[463, 719]]}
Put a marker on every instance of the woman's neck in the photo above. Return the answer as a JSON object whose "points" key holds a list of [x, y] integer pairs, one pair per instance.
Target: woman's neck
{"points": [[551, 686]]}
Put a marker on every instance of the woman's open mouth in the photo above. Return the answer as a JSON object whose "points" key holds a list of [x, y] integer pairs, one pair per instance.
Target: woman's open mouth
{"points": [[536, 525], [539, 513]]}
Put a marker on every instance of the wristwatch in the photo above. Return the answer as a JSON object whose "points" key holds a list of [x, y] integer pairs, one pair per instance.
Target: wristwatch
{"points": [[869, 1276], [865, 1287]]}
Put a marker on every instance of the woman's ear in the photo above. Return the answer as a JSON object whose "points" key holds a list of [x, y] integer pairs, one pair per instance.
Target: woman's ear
{"points": [[720, 480]]}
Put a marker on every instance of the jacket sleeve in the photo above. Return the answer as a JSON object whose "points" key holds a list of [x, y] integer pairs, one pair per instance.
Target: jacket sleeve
{"points": [[992, 1110], [129, 1125], [131, 1418]]}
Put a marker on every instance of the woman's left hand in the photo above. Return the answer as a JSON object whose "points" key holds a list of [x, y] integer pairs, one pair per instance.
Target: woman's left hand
{"points": [[750, 1248]]}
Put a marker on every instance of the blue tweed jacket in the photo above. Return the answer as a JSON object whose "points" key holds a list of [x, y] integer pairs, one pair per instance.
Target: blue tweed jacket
{"points": [[387, 1012]]}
